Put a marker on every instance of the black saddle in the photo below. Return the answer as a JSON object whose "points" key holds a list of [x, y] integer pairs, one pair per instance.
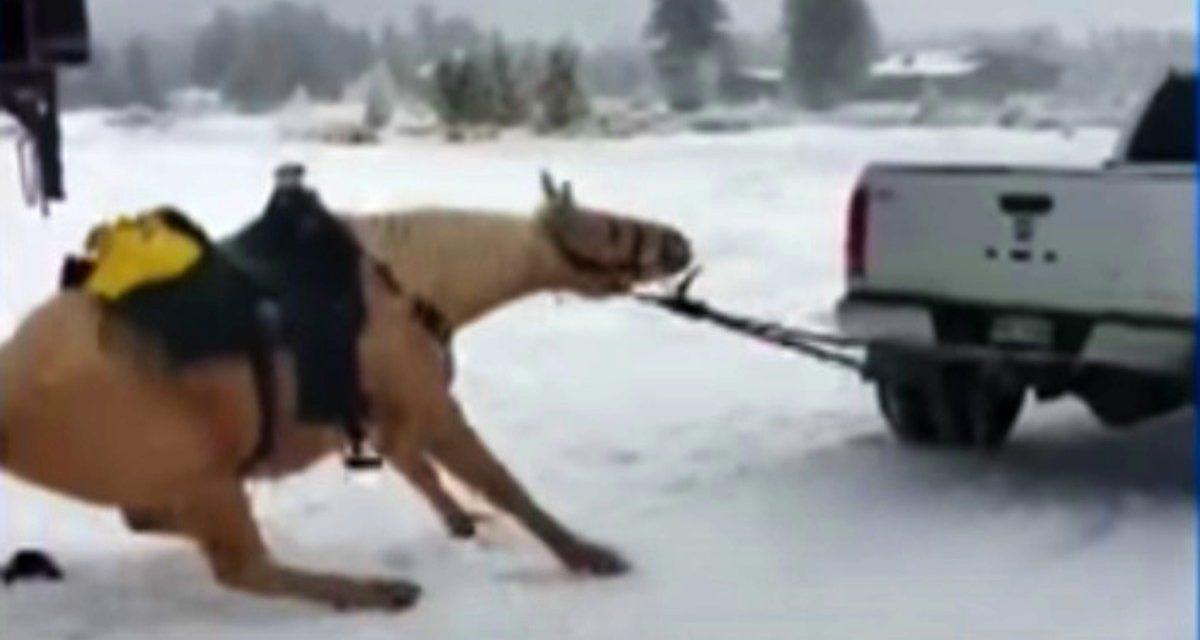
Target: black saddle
{"points": [[288, 280], [308, 263]]}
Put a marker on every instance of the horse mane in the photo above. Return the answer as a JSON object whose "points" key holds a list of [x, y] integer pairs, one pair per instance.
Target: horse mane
{"points": [[453, 257], [407, 234]]}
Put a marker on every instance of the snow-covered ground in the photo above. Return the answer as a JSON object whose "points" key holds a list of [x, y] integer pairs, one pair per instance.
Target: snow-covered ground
{"points": [[755, 492]]}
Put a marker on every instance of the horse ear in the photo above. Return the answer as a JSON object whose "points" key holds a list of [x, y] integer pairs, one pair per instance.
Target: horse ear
{"points": [[567, 198], [548, 187]]}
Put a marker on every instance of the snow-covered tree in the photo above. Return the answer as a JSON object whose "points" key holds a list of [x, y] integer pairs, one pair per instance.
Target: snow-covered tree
{"points": [[509, 103], [561, 100], [688, 27], [144, 87], [686, 33], [831, 44], [379, 102]]}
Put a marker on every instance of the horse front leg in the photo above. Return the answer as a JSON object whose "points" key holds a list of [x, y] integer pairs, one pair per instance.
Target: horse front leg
{"points": [[218, 517], [455, 445], [403, 451]]}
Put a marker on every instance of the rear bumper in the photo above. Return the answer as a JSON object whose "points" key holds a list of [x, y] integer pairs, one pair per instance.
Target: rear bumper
{"points": [[1153, 346]]}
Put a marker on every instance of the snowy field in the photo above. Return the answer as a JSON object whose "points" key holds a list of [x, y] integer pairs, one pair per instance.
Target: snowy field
{"points": [[756, 493]]}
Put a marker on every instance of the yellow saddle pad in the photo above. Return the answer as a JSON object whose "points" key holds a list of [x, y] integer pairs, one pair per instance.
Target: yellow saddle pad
{"points": [[138, 251]]}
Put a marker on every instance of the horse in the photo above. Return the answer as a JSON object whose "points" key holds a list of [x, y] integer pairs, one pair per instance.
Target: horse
{"points": [[466, 263], [87, 409], [469, 262]]}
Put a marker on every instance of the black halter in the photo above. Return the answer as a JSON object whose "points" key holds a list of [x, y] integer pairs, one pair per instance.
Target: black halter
{"points": [[587, 264]]}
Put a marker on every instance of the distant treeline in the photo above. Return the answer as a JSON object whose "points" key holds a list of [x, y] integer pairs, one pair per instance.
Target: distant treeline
{"points": [[256, 59], [691, 52]]}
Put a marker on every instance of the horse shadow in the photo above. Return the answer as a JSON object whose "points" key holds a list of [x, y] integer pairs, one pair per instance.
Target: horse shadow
{"points": [[163, 592]]}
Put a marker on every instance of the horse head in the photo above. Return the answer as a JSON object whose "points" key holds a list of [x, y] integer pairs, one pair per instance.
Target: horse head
{"points": [[607, 253]]}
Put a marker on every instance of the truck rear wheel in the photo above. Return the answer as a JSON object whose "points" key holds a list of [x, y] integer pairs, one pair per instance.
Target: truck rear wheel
{"points": [[959, 408], [906, 409], [983, 411]]}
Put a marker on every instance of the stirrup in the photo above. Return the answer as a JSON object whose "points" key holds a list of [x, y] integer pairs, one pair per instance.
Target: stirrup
{"points": [[358, 458]]}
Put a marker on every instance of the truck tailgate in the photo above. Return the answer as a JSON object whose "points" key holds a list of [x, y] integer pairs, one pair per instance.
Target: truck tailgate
{"points": [[1119, 240]]}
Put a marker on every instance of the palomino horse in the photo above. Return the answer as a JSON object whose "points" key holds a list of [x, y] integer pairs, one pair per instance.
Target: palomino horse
{"points": [[89, 411], [466, 263]]}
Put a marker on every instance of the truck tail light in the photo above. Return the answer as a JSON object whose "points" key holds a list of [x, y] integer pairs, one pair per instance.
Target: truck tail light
{"points": [[856, 233]]}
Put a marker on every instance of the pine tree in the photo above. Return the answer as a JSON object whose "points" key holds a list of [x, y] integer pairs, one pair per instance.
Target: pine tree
{"points": [[216, 49], [255, 82], [99, 83], [425, 30], [688, 27], [144, 88], [454, 80], [561, 99], [685, 31], [258, 59], [830, 47], [509, 108], [397, 53], [379, 106]]}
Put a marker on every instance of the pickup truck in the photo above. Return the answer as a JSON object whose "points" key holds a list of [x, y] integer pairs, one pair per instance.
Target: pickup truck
{"points": [[973, 287]]}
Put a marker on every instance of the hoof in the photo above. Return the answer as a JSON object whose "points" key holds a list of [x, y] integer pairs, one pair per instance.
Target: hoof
{"points": [[400, 595], [461, 526], [382, 595], [29, 565], [593, 559]]}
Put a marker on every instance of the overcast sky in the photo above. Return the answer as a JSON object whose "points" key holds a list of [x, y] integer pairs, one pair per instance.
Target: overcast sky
{"points": [[595, 20]]}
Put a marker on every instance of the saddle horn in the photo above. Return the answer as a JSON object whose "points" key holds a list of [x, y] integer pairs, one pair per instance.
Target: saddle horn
{"points": [[289, 175]]}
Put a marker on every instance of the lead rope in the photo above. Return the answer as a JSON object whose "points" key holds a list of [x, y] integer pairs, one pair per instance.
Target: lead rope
{"points": [[819, 346]]}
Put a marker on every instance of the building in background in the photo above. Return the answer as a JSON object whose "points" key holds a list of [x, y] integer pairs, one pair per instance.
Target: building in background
{"points": [[959, 74]]}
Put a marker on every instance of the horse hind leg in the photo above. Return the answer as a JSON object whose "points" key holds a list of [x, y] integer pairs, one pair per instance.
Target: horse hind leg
{"points": [[218, 517], [150, 520]]}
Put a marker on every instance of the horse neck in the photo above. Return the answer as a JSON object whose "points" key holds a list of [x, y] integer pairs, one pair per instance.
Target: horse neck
{"points": [[465, 263]]}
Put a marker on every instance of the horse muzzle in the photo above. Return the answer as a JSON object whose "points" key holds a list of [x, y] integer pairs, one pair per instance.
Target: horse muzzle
{"points": [[675, 252]]}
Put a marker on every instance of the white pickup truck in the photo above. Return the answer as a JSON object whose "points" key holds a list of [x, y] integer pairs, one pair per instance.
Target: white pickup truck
{"points": [[975, 285]]}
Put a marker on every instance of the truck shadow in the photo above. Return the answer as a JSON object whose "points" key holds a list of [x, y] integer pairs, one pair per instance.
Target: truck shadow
{"points": [[1054, 459], [1155, 459]]}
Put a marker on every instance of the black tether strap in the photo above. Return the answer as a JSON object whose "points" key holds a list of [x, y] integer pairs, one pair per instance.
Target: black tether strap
{"points": [[262, 364], [586, 263], [820, 346]]}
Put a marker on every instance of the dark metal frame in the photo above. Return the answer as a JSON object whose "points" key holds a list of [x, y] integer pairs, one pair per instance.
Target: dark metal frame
{"points": [[30, 95], [40, 36]]}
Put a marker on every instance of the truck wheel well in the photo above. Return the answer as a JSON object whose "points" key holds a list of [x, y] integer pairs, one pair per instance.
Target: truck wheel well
{"points": [[1121, 398]]}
